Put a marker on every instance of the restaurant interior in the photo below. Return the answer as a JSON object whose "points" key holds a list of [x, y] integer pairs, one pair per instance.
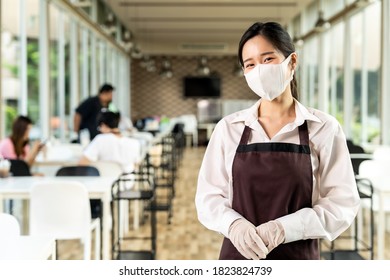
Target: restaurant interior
{"points": [[175, 75]]}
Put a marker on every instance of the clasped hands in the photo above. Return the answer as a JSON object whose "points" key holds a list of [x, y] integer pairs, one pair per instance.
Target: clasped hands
{"points": [[255, 242]]}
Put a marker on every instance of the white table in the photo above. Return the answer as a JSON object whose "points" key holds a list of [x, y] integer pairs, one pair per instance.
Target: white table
{"points": [[28, 248], [98, 188], [382, 192], [209, 128], [361, 156]]}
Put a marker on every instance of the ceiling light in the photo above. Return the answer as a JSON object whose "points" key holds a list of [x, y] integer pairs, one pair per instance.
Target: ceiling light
{"points": [[203, 69], [109, 25], [127, 40], [166, 69], [136, 53], [298, 41], [321, 24], [144, 62], [237, 70]]}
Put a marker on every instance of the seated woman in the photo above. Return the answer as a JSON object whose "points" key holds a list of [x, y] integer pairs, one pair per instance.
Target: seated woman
{"points": [[110, 145], [16, 146]]}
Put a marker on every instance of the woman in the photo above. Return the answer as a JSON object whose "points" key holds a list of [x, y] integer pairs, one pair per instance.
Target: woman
{"points": [[275, 177], [17, 145], [110, 145]]}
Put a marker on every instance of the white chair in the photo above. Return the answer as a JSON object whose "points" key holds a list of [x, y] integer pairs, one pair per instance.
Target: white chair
{"points": [[382, 153], [61, 210], [377, 171], [9, 226], [108, 168], [190, 128]]}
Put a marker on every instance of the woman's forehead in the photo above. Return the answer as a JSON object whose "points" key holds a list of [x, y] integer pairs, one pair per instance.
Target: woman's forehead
{"points": [[258, 45]]}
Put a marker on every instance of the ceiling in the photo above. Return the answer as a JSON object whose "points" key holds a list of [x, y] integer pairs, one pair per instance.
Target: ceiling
{"points": [[197, 27]]}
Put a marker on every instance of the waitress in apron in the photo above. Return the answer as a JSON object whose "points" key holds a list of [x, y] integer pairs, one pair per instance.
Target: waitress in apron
{"points": [[275, 177]]}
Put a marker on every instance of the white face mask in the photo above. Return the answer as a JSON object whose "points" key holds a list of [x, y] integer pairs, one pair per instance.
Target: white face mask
{"points": [[269, 80]]}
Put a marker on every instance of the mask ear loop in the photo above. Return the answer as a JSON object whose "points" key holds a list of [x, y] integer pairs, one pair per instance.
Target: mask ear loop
{"points": [[292, 68]]}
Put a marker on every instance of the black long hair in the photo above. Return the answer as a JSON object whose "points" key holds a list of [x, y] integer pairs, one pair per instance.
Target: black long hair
{"points": [[19, 128], [277, 36], [110, 119]]}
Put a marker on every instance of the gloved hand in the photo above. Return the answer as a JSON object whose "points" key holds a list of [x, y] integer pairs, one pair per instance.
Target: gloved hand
{"points": [[272, 233], [244, 237]]}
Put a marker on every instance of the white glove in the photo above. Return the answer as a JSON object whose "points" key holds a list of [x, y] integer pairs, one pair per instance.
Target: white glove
{"points": [[244, 237], [272, 233]]}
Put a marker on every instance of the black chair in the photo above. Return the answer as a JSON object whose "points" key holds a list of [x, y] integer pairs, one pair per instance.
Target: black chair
{"points": [[165, 174], [78, 171], [96, 204], [144, 191], [356, 149], [362, 244], [19, 168]]}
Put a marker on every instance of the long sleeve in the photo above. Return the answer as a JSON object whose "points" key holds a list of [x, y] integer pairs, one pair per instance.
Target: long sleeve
{"points": [[214, 188], [336, 205]]}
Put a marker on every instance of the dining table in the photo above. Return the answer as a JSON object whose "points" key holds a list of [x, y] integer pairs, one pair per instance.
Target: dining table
{"points": [[98, 188], [27, 248]]}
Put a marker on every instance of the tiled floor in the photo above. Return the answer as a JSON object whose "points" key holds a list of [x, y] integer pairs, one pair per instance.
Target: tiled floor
{"points": [[185, 238]]}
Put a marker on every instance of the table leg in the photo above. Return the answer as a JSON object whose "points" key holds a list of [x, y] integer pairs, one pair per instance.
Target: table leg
{"points": [[106, 227], [54, 251], [381, 228]]}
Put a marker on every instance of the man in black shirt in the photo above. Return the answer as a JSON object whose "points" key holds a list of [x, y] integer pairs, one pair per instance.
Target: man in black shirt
{"points": [[88, 112]]}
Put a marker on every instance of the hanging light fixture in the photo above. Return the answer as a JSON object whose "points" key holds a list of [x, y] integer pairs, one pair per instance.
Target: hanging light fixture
{"points": [[237, 70], [135, 52], [203, 69], [166, 69], [109, 25], [151, 66], [298, 41], [321, 24], [144, 61], [127, 40]]}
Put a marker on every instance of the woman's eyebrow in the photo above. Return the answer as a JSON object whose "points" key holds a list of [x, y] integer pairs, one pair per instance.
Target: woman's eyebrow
{"points": [[262, 54]]}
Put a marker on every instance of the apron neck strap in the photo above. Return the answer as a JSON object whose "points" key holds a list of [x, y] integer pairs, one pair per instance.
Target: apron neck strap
{"points": [[303, 134], [245, 135]]}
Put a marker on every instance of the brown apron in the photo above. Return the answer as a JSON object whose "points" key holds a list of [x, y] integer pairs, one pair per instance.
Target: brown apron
{"points": [[271, 180]]}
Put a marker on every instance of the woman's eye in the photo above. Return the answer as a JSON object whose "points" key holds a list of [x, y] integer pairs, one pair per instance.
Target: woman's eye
{"points": [[268, 59], [249, 65]]}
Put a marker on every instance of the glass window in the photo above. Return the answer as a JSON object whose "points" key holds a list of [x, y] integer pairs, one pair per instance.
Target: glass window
{"points": [[336, 72], [373, 50], [311, 17], [331, 7], [32, 27], [11, 60], [10, 46], [84, 55], [356, 51], [59, 49], [311, 68], [366, 74]]}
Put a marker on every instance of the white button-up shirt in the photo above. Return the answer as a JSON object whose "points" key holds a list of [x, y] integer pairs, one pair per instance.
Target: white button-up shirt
{"points": [[335, 200]]}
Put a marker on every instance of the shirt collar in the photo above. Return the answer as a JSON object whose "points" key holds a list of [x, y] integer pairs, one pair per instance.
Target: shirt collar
{"points": [[251, 115]]}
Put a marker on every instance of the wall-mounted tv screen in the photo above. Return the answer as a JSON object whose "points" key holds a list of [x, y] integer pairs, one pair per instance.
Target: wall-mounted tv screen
{"points": [[202, 87]]}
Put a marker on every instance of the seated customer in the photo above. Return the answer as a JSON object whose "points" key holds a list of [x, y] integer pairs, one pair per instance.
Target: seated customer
{"points": [[110, 145], [16, 146]]}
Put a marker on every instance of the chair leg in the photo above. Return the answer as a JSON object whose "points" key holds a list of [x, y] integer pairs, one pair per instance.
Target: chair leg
{"points": [[97, 240], [87, 248]]}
